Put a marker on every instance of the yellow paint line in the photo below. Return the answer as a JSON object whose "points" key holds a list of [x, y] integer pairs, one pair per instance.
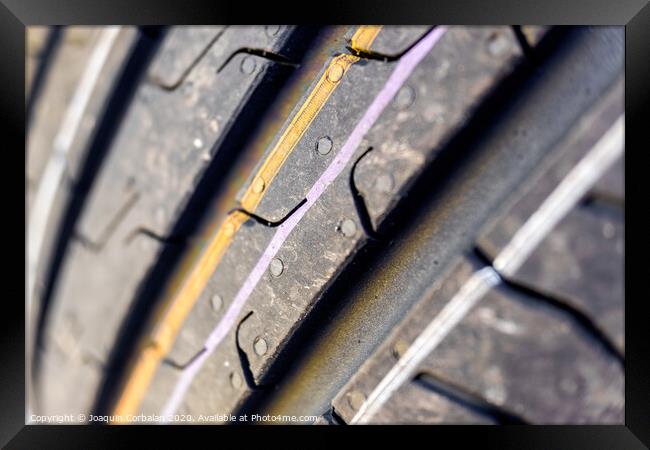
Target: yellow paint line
{"points": [[299, 124], [364, 37], [169, 324]]}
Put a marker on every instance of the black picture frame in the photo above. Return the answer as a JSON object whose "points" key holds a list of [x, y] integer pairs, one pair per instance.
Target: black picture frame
{"points": [[16, 15]]}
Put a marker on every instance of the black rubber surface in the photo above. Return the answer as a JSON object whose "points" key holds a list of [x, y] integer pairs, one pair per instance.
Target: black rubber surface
{"points": [[430, 195]]}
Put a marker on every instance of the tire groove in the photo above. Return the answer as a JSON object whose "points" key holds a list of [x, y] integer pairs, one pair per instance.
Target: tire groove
{"points": [[467, 399], [189, 220], [563, 305], [111, 117]]}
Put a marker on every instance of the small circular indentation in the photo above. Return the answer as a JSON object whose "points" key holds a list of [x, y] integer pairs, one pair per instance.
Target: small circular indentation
{"points": [[356, 400], [260, 346], [348, 228], [258, 185], [405, 97], [216, 302], [276, 267], [236, 381], [324, 145], [335, 73], [248, 65]]}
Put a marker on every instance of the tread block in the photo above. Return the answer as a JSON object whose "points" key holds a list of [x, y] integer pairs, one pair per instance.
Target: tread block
{"points": [[163, 384], [581, 262], [507, 338], [436, 102], [117, 58], [167, 138], [393, 133], [101, 296], [237, 262], [415, 405], [181, 50], [387, 354], [569, 150], [58, 89], [54, 397], [394, 40], [80, 146], [336, 120]]}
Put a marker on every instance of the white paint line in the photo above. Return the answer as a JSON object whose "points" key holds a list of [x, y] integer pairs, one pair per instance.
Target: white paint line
{"points": [[563, 198], [55, 168], [453, 312]]}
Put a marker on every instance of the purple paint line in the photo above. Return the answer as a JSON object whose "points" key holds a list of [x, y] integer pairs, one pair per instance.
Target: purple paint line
{"points": [[405, 66]]}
